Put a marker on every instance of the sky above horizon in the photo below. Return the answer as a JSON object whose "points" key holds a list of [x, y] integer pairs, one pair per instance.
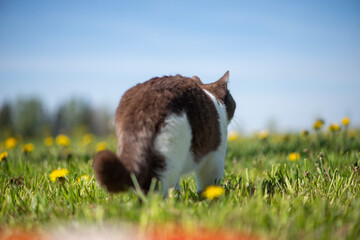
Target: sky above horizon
{"points": [[290, 62]]}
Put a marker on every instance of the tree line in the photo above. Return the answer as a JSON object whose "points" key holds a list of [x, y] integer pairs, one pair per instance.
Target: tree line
{"points": [[30, 118]]}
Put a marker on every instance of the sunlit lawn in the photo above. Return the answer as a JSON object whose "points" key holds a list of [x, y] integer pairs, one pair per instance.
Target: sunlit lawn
{"points": [[279, 186]]}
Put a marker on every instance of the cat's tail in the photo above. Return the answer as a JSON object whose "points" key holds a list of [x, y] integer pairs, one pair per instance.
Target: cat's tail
{"points": [[110, 172]]}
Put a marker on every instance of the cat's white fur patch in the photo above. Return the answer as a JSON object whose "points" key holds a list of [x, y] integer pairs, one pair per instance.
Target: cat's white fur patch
{"points": [[174, 142]]}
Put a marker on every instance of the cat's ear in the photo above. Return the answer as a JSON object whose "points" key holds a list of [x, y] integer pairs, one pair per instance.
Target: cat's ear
{"points": [[219, 88], [197, 80], [223, 81]]}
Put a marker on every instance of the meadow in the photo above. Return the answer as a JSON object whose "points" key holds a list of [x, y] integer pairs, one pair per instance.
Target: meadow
{"points": [[302, 185]]}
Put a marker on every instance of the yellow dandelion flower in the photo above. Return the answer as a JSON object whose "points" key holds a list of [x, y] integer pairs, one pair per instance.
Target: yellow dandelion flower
{"points": [[84, 178], [304, 133], [3, 155], [345, 121], [285, 138], [58, 173], [232, 136], [352, 134], [49, 141], [334, 127], [28, 148], [294, 156], [263, 134], [10, 143], [88, 138], [212, 192], [318, 124], [101, 146], [62, 140]]}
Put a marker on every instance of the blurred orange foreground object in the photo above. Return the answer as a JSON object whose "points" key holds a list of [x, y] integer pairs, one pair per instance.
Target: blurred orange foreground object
{"points": [[179, 233], [153, 233], [20, 235]]}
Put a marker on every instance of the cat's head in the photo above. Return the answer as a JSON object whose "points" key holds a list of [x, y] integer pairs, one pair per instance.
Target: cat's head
{"points": [[221, 92]]}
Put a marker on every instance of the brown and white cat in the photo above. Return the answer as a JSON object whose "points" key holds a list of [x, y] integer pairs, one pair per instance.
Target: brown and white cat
{"points": [[167, 127]]}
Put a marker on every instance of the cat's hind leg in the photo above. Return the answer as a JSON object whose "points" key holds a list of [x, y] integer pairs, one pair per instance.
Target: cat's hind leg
{"points": [[173, 143], [210, 171], [169, 180]]}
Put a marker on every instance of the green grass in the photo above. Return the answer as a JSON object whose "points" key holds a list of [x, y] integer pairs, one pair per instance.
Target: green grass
{"points": [[315, 197]]}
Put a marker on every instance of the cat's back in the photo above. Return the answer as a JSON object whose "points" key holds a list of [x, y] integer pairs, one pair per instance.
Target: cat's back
{"points": [[159, 97], [159, 93], [144, 109]]}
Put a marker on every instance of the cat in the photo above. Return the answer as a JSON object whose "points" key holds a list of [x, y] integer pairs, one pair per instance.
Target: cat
{"points": [[166, 127]]}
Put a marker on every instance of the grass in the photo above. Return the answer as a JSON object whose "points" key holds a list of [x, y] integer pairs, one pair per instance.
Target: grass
{"points": [[314, 197]]}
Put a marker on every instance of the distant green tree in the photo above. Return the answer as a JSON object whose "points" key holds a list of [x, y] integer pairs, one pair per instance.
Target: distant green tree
{"points": [[29, 117], [102, 123], [73, 117], [76, 116], [6, 124]]}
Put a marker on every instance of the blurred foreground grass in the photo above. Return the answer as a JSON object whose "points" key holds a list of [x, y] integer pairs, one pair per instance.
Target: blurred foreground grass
{"points": [[276, 186]]}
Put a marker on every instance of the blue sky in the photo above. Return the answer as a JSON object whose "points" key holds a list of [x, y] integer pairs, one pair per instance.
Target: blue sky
{"points": [[289, 61]]}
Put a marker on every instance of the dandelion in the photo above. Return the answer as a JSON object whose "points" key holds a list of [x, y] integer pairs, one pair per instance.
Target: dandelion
{"points": [[3, 156], [28, 148], [263, 134], [58, 173], [49, 141], [318, 124], [294, 156], [334, 127], [285, 138], [304, 133], [232, 136], [10, 143], [352, 134], [212, 192], [88, 138], [84, 178], [101, 146], [345, 121], [62, 140]]}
